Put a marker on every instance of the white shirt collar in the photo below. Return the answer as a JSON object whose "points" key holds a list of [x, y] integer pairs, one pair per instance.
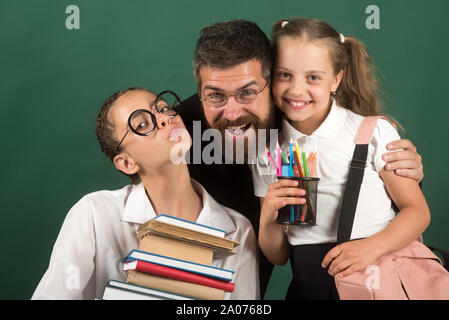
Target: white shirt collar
{"points": [[330, 127], [138, 209]]}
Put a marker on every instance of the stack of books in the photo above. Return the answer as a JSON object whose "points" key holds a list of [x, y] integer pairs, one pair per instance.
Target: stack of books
{"points": [[174, 261]]}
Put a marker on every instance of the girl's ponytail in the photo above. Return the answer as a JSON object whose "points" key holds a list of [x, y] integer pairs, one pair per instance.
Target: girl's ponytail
{"points": [[359, 88]]}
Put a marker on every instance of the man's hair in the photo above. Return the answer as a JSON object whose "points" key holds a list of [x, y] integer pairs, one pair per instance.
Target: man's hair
{"points": [[227, 44]]}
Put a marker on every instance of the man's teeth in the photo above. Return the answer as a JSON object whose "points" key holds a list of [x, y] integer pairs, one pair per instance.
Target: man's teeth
{"points": [[237, 130], [237, 127]]}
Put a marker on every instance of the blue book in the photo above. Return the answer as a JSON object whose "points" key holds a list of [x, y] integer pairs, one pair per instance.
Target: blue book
{"points": [[202, 269]]}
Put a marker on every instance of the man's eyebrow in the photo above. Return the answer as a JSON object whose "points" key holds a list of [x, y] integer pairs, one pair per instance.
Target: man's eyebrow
{"points": [[206, 87]]}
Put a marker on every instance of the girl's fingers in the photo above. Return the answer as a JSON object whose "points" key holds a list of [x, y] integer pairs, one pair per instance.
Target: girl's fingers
{"points": [[339, 265], [332, 254], [282, 202], [292, 200], [284, 183], [285, 187], [285, 192], [353, 268], [279, 204]]}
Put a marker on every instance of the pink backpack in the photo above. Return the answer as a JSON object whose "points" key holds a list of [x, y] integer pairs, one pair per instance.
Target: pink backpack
{"points": [[411, 273]]}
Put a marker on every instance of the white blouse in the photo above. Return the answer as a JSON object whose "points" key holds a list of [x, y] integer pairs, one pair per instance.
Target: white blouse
{"points": [[334, 143], [100, 230]]}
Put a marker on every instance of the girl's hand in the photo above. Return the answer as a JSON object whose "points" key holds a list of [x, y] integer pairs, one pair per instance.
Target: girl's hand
{"points": [[350, 257], [279, 194]]}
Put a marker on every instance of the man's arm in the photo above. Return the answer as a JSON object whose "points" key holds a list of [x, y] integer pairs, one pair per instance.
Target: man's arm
{"points": [[406, 162]]}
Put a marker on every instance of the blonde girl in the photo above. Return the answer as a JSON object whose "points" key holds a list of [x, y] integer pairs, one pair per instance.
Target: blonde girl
{"points": [[324, 84]]}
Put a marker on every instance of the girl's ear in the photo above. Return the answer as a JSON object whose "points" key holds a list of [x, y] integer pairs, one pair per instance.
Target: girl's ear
{"points": [[125, 163], [338, 78]]}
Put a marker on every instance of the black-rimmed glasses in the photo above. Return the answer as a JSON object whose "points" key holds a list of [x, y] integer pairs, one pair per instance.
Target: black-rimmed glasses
{"points": [[143, 122], [246, 96]]}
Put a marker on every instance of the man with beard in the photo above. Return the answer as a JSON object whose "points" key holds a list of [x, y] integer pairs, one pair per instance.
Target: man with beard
{"points": [[232, 68]]}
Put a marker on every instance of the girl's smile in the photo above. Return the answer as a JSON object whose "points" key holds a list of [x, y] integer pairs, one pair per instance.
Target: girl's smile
{"points": [[297, 104], [303, 80]]}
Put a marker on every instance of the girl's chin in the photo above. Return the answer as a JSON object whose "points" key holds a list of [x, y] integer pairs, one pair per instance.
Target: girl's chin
{"points": [[295, 115]]}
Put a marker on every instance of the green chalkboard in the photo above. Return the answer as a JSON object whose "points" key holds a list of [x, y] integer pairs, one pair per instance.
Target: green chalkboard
{"points": [[54, 80]]}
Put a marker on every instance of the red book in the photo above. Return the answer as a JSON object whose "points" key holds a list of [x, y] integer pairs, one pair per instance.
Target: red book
{"points": [[176, 274]]}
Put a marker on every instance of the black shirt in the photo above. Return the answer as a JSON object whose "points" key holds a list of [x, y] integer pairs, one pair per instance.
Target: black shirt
{"points": [[229, 184]]}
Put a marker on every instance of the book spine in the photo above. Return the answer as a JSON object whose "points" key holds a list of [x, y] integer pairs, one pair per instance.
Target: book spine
{"points": [[203, 270], [175, 286], [176, 274]]}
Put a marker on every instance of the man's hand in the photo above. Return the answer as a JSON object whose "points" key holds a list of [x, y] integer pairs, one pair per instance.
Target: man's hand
{"points": [[406, 162]]}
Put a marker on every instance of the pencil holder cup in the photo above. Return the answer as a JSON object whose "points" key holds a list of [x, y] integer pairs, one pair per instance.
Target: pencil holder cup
{"points": [[301, 214]]}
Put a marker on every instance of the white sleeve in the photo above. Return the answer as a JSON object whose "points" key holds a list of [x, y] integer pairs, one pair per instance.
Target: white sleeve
{"points": [[383, 134], [263, 175], [247, 273], [72, 260]]}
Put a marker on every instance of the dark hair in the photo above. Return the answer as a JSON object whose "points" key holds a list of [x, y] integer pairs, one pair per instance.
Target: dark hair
{"points": [[227, 44], [105, 130]]}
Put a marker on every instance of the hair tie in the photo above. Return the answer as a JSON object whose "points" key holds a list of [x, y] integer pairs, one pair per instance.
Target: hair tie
{"points": [[342, 38], [284, 24]]}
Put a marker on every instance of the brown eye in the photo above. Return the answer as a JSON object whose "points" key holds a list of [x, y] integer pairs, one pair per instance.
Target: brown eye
{"points": [[141, 122], [284, 76]]}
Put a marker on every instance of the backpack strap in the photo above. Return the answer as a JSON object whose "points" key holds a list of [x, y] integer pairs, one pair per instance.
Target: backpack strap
{"points": [[354, 182], [355, 178]]}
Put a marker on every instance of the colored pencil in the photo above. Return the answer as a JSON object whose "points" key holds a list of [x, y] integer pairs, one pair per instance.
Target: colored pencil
{"points": [[309, 161], [291, 157], [271, 160], [279, 160], [304, 162], [314, 163], [307, 186], [284, 159], [298, 162]]}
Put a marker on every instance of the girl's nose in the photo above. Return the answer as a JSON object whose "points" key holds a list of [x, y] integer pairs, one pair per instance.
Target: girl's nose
{"points": [[162, 120], [298, 88]]}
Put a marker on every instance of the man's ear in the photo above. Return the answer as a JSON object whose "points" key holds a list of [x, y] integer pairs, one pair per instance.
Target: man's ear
{"points": [[125, 163]]}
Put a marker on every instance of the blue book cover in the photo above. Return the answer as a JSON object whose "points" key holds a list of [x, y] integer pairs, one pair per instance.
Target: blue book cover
{"points": [[190, 225], [202, 269]]}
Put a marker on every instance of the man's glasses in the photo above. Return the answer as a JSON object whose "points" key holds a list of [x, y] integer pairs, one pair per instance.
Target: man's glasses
{"points": [[143, 122], [218, 99]]}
